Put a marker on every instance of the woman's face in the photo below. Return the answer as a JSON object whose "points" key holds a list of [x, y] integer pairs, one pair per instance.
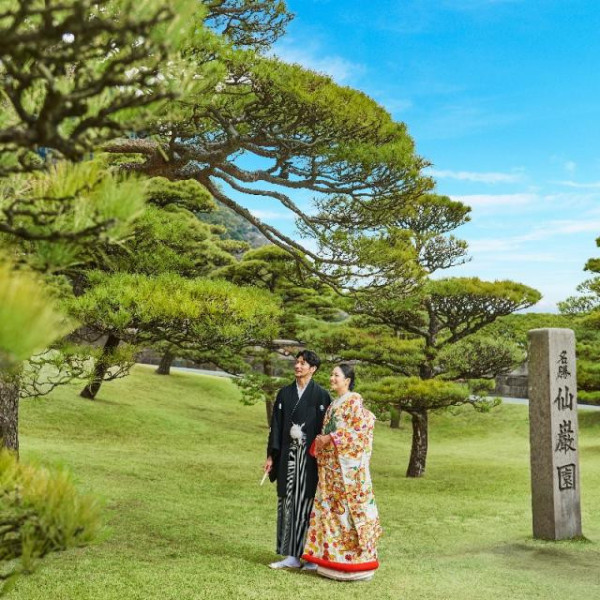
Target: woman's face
{"points": [[338, 381]]}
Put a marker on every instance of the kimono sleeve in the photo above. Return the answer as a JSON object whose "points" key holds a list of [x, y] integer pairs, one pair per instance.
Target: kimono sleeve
{"points": [[354, 431]]}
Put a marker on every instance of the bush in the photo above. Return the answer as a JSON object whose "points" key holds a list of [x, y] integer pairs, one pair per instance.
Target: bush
{"points": [[588, 397], [588, 375], [40, 512]]}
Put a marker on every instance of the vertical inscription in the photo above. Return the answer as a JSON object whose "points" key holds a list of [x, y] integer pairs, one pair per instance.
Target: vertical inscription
{"points": [[555, 480]]}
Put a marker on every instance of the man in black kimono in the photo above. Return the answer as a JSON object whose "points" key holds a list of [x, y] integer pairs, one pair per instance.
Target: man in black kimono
{"points": [[297, 419]]}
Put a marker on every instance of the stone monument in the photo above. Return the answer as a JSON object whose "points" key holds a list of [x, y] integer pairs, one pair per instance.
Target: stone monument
{"points": [[553, 434]]}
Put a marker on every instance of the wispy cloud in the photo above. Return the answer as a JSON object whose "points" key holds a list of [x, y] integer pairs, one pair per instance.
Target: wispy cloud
{"points": [[485, 200], [491, 178], [491, 245], [575, 199], [508, 245], [459, 120], [536, 257], [592, 185], [271, 214], [564, 227], [311, 56]]}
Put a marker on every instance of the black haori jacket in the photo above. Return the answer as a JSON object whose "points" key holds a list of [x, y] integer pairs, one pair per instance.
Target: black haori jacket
{"points": [[310, 412]]}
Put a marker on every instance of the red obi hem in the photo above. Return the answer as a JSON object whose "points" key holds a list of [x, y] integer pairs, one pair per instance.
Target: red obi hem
{"points": [[366, 566]]}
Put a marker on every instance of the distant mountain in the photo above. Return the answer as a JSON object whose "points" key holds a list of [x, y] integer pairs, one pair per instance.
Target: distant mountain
{"points": [[237, 227]]}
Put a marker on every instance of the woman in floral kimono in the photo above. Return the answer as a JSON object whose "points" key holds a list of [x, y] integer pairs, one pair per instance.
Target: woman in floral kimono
{"points": [[344, 524]]}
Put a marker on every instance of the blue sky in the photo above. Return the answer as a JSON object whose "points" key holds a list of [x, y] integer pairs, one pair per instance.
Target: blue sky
{"points": [[502, 96]]}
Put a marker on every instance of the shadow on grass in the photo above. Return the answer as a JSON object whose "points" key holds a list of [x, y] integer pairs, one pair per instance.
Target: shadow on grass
{"points": [[559, 559], [106, 401], [589, 419], [245, 552]]}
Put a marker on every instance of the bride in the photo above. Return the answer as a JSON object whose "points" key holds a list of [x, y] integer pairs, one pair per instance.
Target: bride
{"points": [[344, 523]]}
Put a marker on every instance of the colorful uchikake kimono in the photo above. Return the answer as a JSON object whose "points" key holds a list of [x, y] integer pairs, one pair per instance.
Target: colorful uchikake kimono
{"points": [[344, 523]]}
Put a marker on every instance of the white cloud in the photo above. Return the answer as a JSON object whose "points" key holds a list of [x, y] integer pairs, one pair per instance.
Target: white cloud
{"points": [[546, 305], [491, 245], [565, 227], [311, 56], [271, 214], [508, 245], [477, 177], [484, 200], [574, 199], [575, 184], [522, 257]]}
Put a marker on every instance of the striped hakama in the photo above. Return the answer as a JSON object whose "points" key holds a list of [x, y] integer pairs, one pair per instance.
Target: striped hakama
{"points": [[293, 509]]}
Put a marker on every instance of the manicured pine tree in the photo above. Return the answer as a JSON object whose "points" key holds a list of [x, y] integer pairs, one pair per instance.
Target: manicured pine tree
{"points": [[167, 238], [63, 96], [199, 314], [429, 325], [302, 295], [583, 311]]}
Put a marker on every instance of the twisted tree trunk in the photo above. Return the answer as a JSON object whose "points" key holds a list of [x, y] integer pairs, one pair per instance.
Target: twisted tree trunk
{"points": [[102, 365], [9, 414], [164, 368], [418, 451]]}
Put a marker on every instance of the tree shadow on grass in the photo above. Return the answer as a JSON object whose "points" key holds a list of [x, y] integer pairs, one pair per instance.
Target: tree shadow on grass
{"points": [[107, 402], [563, 560], [589, 419]]}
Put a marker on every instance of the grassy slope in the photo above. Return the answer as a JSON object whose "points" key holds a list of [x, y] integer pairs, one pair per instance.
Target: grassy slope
{"points": [[177, 461]]}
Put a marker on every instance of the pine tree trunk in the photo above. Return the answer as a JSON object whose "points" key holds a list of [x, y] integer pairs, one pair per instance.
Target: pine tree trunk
{"points": [[418, 452], [102, 365], [396, 413], [268, 370], [164, 368], [9, 414], [269, 406]]}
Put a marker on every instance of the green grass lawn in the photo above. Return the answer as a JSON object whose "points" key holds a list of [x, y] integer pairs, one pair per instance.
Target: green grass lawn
{"points": [[177, 462]]}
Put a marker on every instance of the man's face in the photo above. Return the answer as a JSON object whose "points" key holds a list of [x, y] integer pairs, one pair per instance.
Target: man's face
{"points": [[302, 368]]}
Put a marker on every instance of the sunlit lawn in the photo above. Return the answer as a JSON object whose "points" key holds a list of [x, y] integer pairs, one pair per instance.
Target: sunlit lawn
{"points": [[177, 462]]}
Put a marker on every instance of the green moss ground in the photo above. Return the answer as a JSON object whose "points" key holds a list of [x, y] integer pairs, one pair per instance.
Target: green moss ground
{"points": [[177, 462]]}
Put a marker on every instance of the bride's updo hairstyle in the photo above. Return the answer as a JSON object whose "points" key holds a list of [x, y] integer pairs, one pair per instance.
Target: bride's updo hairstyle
{"points": [[348, 372]]}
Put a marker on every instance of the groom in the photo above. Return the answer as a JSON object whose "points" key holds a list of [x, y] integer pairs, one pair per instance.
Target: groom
{"points": [[297, 419]]}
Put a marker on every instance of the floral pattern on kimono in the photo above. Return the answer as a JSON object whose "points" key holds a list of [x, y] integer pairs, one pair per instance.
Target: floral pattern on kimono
{"points": [[344, 523]]}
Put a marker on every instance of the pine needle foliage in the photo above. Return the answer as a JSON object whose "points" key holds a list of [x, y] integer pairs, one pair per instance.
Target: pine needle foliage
{"points": [[40, 512], [29, 321], [199, 312]]}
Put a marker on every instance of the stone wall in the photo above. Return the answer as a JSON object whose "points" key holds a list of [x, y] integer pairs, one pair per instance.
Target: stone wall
{"points": [[514, 384]]}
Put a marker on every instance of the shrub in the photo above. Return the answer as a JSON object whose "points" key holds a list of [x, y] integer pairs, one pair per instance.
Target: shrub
{"points": [[40, 512]]}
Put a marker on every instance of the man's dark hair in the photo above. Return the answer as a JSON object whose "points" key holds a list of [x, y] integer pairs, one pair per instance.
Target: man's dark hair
{"points": [[310, 357]]}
